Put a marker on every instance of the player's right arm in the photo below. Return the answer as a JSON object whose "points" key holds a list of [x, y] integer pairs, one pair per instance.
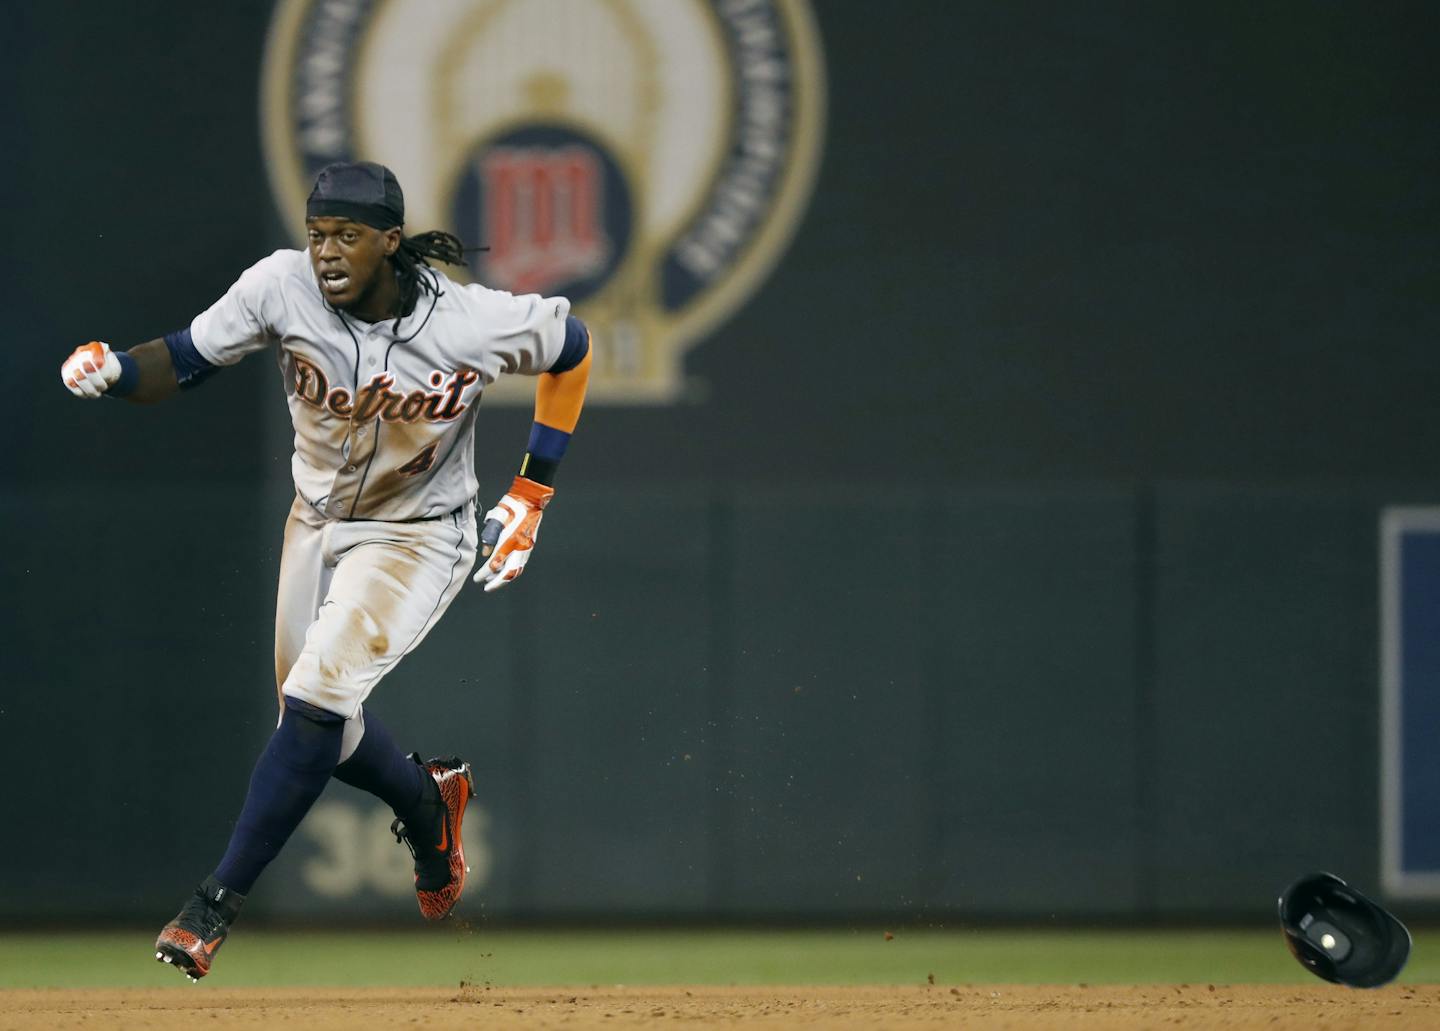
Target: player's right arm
{"points": [[143, 373], [147, 373], [240, 322]]}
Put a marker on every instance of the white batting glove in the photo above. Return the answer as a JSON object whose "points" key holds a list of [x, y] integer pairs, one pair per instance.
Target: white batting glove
{"points": [[509, 533], [90, 370]]}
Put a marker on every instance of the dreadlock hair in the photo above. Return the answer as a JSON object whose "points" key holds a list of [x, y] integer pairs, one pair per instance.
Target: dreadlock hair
{"points": [[416, 251]]}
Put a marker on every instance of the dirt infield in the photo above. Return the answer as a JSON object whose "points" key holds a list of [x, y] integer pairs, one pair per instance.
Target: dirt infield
{"points": [[970, 1006]]}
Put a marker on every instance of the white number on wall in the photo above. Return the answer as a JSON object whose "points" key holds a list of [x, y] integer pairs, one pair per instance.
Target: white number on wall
{"points": [[355, 851]]}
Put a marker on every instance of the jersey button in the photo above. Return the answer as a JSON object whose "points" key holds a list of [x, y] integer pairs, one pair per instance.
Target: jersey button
{"points": [[349, 468], [372, 363]]}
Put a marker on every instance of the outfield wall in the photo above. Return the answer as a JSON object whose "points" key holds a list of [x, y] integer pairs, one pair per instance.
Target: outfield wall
{"points": [[1037, 701]]}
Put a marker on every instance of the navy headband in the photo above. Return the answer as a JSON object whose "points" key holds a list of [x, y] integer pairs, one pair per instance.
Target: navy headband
{"points": [[359, 190]]}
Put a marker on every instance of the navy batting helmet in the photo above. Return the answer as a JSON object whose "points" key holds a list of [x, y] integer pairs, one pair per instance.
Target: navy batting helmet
{"points": [[1338, 934]]}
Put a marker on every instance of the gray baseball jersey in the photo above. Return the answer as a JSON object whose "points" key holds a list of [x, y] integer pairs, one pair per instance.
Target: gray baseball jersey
{"points": [[384, 412]]}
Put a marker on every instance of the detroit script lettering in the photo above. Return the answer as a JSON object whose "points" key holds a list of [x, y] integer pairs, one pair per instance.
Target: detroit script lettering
{"points": [[379, 399]]}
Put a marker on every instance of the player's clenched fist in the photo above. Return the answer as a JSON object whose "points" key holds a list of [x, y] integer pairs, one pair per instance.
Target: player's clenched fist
{"points": [[90, 370], [510, 531]]}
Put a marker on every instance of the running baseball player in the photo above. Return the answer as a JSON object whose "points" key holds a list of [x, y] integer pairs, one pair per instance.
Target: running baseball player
{"points": [[384, 359]]}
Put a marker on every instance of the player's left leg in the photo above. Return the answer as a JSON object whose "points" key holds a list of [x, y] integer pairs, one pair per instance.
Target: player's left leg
{"points": [[391, 584], [371, 761], [428, 807]]}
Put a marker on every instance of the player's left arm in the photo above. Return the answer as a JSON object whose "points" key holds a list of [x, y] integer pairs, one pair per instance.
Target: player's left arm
{"points": [[513, 525]]}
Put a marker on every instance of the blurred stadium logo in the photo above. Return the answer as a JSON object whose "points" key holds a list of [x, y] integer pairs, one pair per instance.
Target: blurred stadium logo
{"points": [[649, 159]]}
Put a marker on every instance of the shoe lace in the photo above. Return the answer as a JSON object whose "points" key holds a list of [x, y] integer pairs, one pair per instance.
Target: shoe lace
{"points": [[409, 837], [402, 835], [428, 812], [201, 918]]}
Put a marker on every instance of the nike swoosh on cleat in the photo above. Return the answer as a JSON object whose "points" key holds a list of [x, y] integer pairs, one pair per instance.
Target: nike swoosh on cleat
{"points": [[444, 835], [209, 947]]}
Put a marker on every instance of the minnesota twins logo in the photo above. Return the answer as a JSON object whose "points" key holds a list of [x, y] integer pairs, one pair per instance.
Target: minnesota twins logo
{"points": [[553, 207], [648, 159]]}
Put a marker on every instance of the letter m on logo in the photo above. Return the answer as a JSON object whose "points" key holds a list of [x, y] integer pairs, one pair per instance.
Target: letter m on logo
{"points": [[543, 216]]}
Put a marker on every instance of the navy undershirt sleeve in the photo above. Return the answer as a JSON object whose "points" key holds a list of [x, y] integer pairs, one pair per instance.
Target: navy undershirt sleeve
{"points": [[191, 368], [577, 345]]}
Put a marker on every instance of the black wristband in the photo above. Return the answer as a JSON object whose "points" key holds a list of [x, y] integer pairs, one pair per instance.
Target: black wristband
{"points": [[540, 470], [129, 376]]}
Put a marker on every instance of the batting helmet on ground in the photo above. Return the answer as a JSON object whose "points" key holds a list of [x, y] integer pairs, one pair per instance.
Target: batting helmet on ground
{"points": [[1338, 934]]}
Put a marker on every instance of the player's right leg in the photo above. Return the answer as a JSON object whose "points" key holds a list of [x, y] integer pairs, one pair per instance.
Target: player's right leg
{"points": [[305, 571], [190, 941], [289, 775]]}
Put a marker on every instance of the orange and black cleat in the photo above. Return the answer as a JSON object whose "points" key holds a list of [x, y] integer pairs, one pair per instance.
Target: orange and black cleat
{"points": [[190, 941], [432, 833]]}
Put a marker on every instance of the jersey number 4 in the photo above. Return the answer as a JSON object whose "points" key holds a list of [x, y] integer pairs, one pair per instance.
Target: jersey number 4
{"points": [[417, 465]]}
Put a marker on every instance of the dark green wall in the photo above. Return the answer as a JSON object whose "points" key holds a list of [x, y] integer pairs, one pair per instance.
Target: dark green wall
{"points": [[1018, 561]]}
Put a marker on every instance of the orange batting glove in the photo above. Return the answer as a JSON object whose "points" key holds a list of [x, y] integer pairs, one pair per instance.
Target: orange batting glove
{"points": [[90, 370], [509, 534]]}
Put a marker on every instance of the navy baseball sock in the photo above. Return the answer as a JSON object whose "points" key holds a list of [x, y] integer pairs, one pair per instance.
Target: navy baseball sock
{"points": [[288, 778], [378, 766]]}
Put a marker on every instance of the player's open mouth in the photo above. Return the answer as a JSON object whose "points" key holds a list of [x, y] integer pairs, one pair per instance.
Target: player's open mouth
{"points": [[334, 282]]}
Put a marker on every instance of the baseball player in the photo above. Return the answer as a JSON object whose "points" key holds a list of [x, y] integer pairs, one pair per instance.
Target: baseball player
{"points": [[384, 360]]}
